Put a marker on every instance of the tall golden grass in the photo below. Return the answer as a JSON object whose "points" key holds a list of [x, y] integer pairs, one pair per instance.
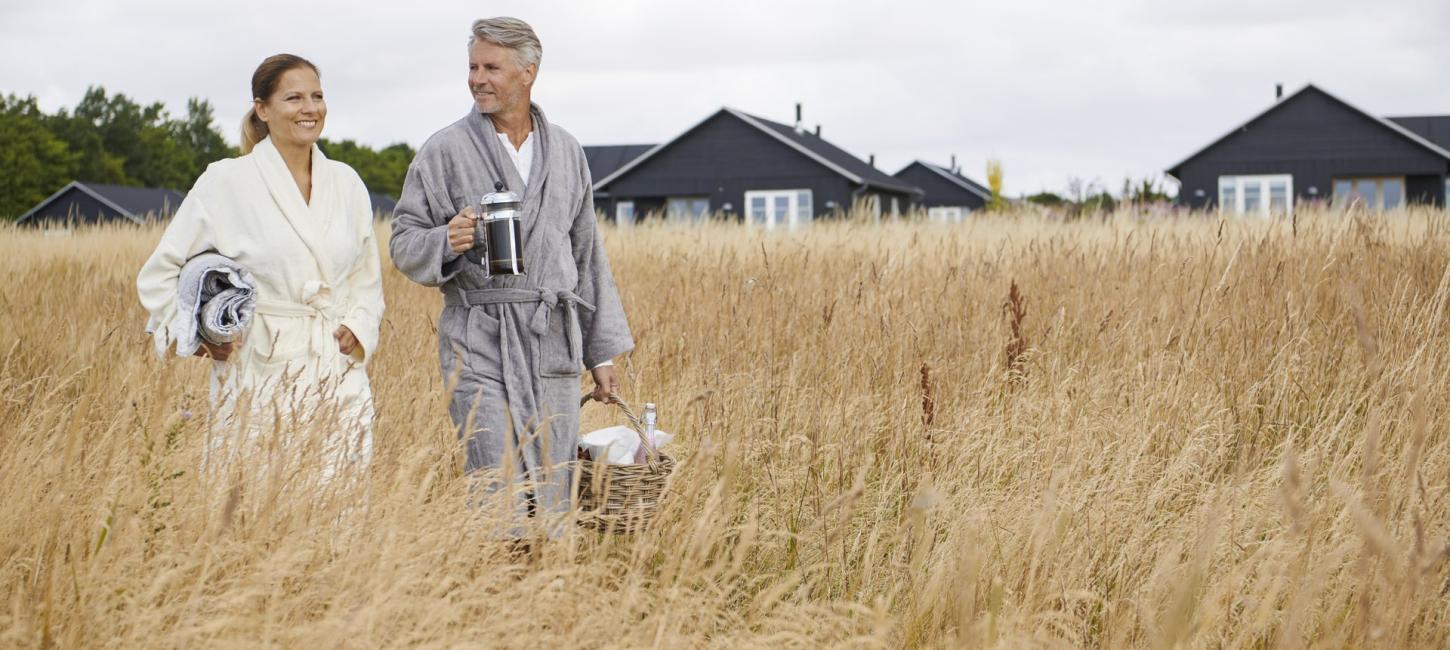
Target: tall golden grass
{"points": [[1180, 433]]}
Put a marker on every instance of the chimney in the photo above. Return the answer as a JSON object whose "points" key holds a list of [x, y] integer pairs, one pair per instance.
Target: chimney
{"points": [[818, 130], [872, 160], [953, 167], [1278, 92], [797, 116]]}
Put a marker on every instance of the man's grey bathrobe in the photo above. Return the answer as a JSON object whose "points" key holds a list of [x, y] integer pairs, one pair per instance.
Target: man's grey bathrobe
{"points": [[515, 346]]}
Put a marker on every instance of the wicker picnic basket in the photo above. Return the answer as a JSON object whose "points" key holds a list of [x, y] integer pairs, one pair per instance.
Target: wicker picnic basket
{"points": [[623, 498]]}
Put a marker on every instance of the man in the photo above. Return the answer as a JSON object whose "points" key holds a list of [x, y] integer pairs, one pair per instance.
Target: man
{"points": [[513, 347]]}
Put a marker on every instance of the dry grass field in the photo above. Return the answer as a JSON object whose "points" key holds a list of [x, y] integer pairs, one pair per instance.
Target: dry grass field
{"points": [[1181, 433]]}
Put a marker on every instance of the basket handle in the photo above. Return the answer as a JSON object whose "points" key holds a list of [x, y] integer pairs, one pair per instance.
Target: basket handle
{"points": [[652, 455]]}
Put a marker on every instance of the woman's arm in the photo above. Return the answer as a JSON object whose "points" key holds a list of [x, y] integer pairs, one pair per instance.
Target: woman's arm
{"points": [[187, 235], [365, 285]]}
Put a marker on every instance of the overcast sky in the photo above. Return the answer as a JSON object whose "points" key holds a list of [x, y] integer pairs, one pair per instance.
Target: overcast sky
{"points": [[1095, 90]]}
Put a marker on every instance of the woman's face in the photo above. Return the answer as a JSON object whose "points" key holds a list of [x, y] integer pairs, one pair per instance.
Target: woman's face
{"points": [[295, 112]]}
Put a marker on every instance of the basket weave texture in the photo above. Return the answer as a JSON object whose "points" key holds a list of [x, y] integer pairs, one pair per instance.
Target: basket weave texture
{"points": [[623, 499]]}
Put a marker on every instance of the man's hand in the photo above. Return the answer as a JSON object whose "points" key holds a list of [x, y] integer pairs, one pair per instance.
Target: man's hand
{"points": [[605, 385], [219, 352], [460, 231], [346, 340]]}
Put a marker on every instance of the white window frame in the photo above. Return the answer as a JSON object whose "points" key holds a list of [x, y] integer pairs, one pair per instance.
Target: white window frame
{"points": [[620, 209], [1262, 182], [799, 208], [947, 214], [691, 217], [1379, 190]]}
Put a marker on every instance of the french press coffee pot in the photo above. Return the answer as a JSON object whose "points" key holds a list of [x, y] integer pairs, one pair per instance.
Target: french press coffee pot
{"points": [[500, 233]]}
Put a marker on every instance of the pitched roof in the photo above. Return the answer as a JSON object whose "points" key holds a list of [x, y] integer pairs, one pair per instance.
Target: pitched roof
{"points": [[955, 177], [382, 203], [133, 203], [604, 159], [812, 146], [1407, 133], [1435, 128]]}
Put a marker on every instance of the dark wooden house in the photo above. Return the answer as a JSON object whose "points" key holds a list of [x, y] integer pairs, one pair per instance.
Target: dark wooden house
{"points": [[747, 168], [605, 160], [947, 195], [91, 203], [1313, 146]]}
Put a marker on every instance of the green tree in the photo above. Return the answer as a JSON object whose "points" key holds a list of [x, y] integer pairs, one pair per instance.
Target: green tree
{"points": [[382, 171], [1046, 198], [199, 136], [93, 163], [36, 162]]}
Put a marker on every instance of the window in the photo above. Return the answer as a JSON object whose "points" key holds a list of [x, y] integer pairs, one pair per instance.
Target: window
{"points": [[689, 209], [624, 214], [1370, 192], [771, 209], [1259, 196], [946, 214], [1228, 193]]}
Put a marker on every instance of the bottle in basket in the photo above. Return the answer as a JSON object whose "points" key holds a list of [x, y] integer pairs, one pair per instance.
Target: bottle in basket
{"points": [[649, 419]]}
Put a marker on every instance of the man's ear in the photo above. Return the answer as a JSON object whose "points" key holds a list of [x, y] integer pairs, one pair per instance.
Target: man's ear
{"points": [[531, 72]]}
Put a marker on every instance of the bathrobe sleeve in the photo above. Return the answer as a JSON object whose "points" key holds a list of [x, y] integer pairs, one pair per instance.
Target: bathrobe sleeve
{"points": [[188, 234], [365, 279], [419, 242], [605, 330]]}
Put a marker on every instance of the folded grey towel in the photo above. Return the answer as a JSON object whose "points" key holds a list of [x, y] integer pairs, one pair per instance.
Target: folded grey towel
{"points": [[215, 300]]}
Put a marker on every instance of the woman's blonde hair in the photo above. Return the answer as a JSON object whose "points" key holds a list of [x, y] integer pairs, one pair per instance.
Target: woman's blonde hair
{"points": [[264, 83]]}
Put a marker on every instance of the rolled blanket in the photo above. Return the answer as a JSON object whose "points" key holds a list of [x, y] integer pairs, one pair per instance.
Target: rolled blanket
{"points": [[215, 299]]}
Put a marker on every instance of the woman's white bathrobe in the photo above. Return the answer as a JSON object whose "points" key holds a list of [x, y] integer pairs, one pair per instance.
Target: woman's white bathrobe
{"points": [[316, 266]]}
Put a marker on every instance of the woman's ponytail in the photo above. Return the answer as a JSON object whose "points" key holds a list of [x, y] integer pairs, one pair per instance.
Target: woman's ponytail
{"points": [[253, 131]]}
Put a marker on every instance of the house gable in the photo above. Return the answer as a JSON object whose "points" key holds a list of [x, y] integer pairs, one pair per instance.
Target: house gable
{"points": [[941, 187]]}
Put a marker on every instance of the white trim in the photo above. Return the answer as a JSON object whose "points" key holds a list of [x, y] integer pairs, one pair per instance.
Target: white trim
{"points": [[89, 192], [953, 178], [947, 214], [792, 219], [618, 206], [1395, 127], [1264, 183]]}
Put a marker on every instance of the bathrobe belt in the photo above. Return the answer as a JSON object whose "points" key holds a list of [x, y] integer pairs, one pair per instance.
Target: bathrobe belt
{"points": [[547, 299], [323, 314]]}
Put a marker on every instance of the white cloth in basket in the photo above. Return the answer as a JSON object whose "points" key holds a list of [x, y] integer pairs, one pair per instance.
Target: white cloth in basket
{"points": [[618, 444]]}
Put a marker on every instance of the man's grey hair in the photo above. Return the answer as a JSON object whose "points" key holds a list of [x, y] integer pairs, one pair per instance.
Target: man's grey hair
{"points": [[513, 34]]}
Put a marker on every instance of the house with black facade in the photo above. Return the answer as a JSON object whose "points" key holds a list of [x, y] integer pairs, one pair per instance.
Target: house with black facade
{"points": [[748, 168], [947, 194], [1313, 146], [81, 203], [605, 159]]}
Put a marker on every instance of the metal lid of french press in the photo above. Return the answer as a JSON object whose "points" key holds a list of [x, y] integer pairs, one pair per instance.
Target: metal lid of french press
{"points": [[499, 201]]}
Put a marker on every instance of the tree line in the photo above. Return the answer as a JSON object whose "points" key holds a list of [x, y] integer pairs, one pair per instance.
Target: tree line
{"points": [[113, 139]]}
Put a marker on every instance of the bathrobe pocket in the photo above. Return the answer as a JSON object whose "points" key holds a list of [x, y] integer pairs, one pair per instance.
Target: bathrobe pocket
{"points": [[560, 349]]}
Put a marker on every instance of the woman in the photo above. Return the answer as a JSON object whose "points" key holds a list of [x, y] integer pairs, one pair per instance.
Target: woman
{"points": [[303, 226]]}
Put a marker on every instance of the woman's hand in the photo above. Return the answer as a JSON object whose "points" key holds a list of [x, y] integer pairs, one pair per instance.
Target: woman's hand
{"points": [[346, 340], [605, 384], [219, 352]]}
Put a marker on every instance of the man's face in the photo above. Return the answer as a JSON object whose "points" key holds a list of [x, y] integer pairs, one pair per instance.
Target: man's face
{"points": [[495, 79]]}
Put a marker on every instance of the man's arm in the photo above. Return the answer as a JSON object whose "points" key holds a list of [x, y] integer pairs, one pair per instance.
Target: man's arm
{"points": [[419, 244], [605, 331]]}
